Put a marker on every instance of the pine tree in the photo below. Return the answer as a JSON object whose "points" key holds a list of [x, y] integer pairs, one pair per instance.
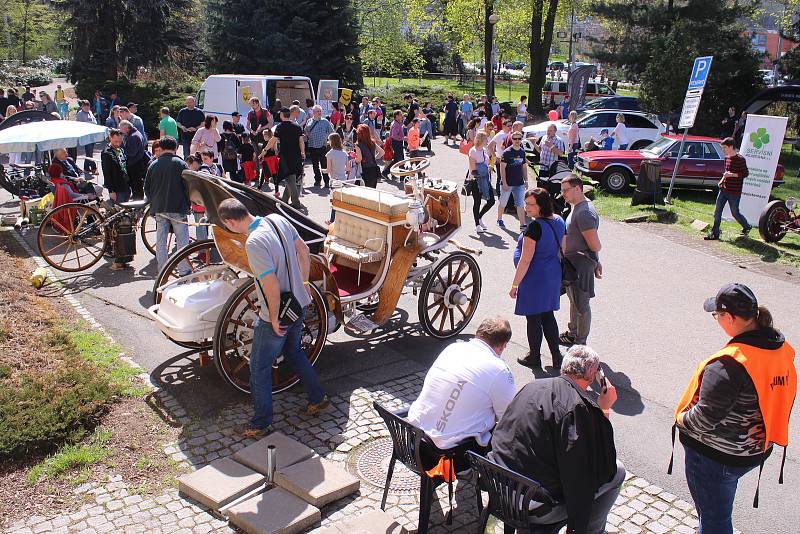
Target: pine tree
{"points": [[659, 41], [297, 37]]}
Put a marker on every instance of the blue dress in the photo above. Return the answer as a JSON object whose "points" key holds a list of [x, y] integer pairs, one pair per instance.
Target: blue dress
{"points": [[540, 289]]}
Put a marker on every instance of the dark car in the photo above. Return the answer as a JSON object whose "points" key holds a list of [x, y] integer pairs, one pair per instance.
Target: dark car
{"points": [[701, 166], [629, 103]]}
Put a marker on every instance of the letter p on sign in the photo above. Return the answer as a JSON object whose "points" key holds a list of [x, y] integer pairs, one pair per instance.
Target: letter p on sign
{"points": [[700, 71]]}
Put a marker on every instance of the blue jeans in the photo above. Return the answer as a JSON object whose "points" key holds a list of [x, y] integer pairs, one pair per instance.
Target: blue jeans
{"points": [[623, 147], [201, 231], [181, 231], [713, 488], [733, 202], [267, 346]]}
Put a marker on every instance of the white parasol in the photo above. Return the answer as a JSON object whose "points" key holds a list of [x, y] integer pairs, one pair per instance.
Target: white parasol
{"points": [[50, 135]]}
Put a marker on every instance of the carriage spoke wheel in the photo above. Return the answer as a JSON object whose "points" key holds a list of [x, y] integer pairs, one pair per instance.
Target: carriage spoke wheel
{"points": [[191, 259], [233, 339], [409, 167], [449, 295], [72, 237], [149, 233]]}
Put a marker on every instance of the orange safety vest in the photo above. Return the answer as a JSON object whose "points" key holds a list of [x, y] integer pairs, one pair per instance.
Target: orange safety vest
{"points": [[774, 376]]}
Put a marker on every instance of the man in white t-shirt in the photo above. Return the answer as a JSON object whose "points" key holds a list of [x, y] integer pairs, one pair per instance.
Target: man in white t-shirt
{"points": [[497, 145], [466, 391]]}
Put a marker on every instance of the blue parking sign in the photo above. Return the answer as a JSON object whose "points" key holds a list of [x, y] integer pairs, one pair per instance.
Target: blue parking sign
{"points": [[700, 71]]}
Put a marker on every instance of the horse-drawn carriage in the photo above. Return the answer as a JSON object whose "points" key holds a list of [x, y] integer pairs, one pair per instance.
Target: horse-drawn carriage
{"points": [[380, 243]]}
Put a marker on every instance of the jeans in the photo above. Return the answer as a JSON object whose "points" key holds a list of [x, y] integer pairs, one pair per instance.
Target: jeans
{"points": [[267, 346], [136, 175], [580, 313], [623, 147], [543, 324], [181, 231], [713, 488], [290, 190], [318, 160], [187, 147], [604, 499], [733, 202], [200, 231]]}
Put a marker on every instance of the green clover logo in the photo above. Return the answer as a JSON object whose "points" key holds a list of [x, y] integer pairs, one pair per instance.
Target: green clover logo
{"points": [[759, 138]]}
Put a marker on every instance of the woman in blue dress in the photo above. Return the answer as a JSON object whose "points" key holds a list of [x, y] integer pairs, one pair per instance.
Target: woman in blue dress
{"points": [[537, 281]]}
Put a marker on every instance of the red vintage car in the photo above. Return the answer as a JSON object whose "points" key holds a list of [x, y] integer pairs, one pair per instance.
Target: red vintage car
{"points": [[701, 166]]}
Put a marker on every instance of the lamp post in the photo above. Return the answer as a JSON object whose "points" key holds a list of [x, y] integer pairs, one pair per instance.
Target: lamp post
{"points": [[488, 46]]}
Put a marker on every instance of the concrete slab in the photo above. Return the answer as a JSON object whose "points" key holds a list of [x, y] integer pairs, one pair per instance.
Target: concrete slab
{"points": [[372, 522], [274, 512], [317, 481], [220, 482], [289, 452]]}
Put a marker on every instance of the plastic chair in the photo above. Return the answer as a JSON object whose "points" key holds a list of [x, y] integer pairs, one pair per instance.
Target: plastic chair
{"points": [[406, 440], [510, 498]]}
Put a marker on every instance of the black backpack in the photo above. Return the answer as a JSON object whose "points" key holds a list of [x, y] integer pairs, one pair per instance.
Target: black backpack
{"points": [[230, 151]]}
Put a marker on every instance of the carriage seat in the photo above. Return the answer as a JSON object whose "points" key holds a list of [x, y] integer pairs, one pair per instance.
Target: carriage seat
{"points": [[356, 239], [372, 199]]}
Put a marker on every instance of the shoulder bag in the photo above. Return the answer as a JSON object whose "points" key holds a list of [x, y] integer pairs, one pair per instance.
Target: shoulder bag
{"points": [[290, 309], [569, 273]]}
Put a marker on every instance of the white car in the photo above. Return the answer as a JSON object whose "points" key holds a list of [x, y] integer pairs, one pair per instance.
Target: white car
{"points": [[643, 128]]}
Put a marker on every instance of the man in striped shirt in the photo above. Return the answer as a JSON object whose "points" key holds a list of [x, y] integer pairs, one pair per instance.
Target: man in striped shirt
{"points": [[730, 189]]}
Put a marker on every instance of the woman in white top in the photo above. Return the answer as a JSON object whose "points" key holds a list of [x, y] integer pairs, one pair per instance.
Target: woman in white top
{"points": [[207, 137], [338, 163], [522, 109], [479, 183], [620, 133], [573, 139]]}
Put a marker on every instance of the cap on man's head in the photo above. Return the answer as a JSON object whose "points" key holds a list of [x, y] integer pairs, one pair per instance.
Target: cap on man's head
{"points": [[285, 111], [736, 299], [235, 114], [132, 105]]}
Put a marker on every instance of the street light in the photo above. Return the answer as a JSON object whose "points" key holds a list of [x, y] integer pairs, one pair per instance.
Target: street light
{"points": [[488, 46]]}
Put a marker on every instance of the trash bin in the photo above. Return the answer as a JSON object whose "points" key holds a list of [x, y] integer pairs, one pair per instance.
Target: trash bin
{"points": [[648, 184]]}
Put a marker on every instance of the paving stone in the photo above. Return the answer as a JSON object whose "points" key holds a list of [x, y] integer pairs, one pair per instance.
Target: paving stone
{"points": [[274, 512], [657, 528], [219, 483], [289, 452], [372, 522], [317, 481]]}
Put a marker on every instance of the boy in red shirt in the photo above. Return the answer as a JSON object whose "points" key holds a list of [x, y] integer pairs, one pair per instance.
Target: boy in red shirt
{"points": [[730, 189]]}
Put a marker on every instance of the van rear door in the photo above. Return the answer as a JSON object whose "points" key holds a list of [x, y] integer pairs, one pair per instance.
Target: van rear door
{"points": [[288, 88], [247, 88]]}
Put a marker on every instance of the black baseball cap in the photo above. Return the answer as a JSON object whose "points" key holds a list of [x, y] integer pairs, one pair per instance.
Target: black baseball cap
{"points": [[285, 111], [235, 114], [736, 299]]}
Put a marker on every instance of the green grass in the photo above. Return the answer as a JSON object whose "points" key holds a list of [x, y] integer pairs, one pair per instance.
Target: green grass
{"points": [[690, 205], [73, 457]]}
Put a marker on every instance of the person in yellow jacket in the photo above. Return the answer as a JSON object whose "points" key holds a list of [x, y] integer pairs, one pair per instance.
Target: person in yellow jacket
{"points": [[736, 406]]}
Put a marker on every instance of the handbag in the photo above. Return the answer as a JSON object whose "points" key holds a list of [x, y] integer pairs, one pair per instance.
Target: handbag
{"points": [[388, 153], [569, 273], [465, 146], [289, 310]]}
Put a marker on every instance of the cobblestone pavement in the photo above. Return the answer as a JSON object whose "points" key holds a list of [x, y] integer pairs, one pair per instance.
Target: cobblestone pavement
{"points": [[340, 434]]}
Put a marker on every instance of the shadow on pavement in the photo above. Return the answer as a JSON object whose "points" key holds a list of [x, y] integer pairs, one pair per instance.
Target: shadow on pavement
{"points": [[629, 401]]}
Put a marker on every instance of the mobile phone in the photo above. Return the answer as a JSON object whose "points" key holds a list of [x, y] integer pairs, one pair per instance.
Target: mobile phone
{"points": [[601, 378]]}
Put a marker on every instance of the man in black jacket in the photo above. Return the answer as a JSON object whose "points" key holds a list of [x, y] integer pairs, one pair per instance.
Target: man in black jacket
{"points": [[169, 202], [136, 154], [555, 433], [115, 173]]}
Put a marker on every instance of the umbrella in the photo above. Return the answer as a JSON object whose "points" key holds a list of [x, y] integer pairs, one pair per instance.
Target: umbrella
{"points": [[50, 135]]}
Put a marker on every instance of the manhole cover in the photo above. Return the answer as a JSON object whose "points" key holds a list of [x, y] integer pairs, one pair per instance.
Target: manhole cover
{"points": [[370, 463]]}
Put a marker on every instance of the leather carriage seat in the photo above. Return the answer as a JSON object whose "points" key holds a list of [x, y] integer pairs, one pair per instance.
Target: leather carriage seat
{"points": [[356, 239], [372, 199]]}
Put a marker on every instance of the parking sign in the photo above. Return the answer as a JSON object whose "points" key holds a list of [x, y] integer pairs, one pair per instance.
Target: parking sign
{"points": [[700, 70]]}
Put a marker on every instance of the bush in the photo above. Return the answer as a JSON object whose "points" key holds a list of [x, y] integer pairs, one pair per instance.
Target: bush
{"points": [[393, 96], [16, 74]]}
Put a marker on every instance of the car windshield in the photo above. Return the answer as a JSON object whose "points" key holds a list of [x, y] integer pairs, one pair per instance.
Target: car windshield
{"points": [[598, 103], [658, 146]]}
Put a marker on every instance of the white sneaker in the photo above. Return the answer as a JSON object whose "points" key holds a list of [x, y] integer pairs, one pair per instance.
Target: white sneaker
{"points": [[479, 228], [483, 226]]}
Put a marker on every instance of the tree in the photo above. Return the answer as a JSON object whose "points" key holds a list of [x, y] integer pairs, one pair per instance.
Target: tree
{"points": [[661, 41], [29, 29], [385, 42], [299, 37], [543, 18], [112, 38]]}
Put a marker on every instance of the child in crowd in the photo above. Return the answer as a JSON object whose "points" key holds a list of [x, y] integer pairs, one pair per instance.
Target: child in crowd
{"points": [[425, 129], [63, 109], [248, 159], [413, 138], [482, 120], [269, 163]]}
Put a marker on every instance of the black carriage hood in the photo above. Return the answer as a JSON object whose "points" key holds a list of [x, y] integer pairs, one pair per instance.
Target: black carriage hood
{"points": [[208, 191]]}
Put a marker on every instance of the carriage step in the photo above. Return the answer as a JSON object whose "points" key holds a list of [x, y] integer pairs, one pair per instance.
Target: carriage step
{"points": [[361, 324]]}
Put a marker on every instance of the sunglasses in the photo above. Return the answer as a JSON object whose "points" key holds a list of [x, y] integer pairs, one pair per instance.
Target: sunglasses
{"points": [[516, 139]]}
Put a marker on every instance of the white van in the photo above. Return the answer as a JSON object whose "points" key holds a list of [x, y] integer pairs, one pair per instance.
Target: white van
{"points": [[222, 94], [558, 90]]}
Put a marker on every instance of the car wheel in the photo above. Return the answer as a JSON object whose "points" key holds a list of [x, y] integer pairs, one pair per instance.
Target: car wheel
{"points": [[616, 181]]}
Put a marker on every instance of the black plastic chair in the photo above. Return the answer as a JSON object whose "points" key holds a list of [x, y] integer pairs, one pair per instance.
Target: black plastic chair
{"points": [[406, 440], [510, 498]]}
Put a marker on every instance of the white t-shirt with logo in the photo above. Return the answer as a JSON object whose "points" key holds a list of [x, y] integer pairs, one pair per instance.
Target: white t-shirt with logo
{"points": [[499, 142], [465, 393]]}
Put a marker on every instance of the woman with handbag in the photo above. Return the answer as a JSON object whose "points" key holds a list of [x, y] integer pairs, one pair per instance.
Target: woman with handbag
{"points": [[537, 280], [479, 181], [367, 154]]}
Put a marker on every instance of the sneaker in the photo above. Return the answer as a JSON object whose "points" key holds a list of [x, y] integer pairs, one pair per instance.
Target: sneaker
{"points": [[566, 339], [313, 409], [711, 237], [531, 362], [500, 223], [249, 431], [746, 231], [485, 229], [117, 266], [479, 228]]}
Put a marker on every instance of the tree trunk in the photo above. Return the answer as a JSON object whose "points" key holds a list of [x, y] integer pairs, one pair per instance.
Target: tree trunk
{"points": [[25, 14], [488, 32], [540, 52]]}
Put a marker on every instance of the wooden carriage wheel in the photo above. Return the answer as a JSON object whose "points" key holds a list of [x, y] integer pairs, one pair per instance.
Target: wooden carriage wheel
{"points": [[72, 237], [449, 295], [409, 167], [233, 339]]}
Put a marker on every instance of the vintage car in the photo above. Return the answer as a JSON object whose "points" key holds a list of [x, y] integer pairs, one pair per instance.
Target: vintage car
{"points": [[701, 165]]}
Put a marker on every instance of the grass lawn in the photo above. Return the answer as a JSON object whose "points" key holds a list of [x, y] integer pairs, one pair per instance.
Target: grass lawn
{"points": [[691, 205]]}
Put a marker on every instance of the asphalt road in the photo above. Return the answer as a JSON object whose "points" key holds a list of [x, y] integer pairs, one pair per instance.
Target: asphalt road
{"points": [[648, 327]]}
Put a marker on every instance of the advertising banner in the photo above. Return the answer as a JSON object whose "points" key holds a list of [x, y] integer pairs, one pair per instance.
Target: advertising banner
{"points": [[761, 148], [345, 96], [578, 83], [327, 94], [245, 90]]}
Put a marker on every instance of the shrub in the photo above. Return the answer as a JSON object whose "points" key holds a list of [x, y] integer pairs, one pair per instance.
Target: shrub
{"points": [[393, 96]]}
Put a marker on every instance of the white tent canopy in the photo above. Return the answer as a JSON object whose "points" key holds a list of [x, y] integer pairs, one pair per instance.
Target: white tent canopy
{"points": [[50, 135]]}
